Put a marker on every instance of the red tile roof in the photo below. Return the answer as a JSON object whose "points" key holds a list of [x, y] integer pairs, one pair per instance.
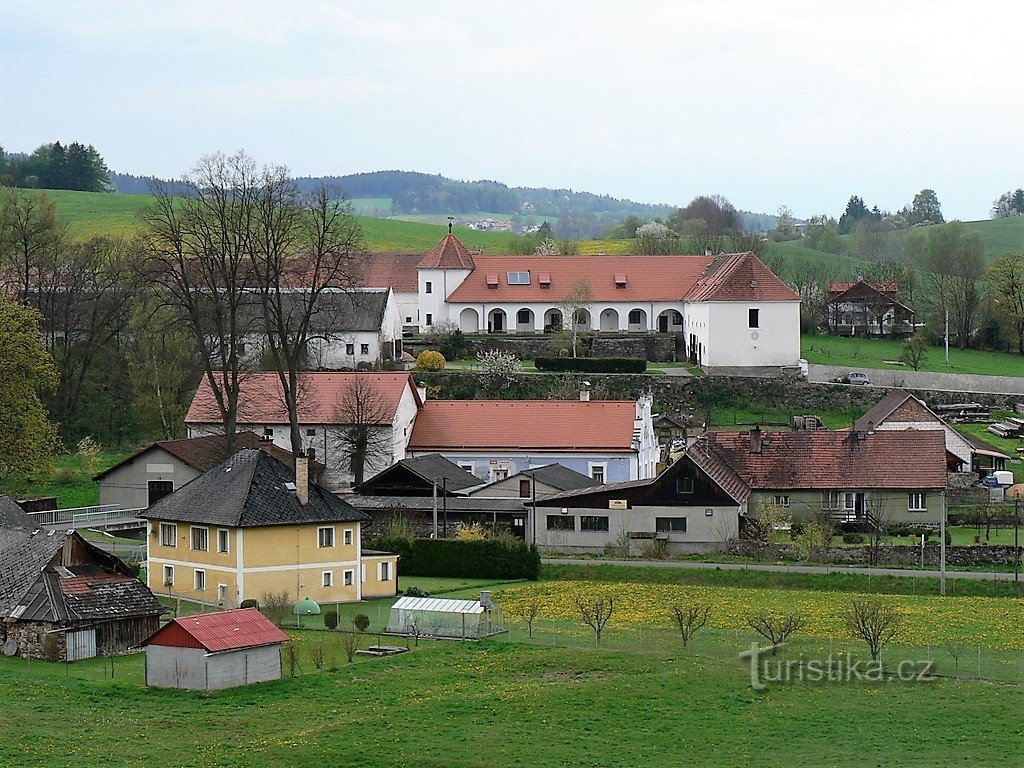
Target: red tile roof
{"points": [[394, 270], [524, 424], [321, 395], [836, 460], [740, 277], [448, 254], [648, 278], [841, 286], [222, 631]]}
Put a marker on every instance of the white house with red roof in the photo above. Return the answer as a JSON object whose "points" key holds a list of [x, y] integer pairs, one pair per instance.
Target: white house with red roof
{"points": [[732, 310], [609, 441], [329, 402]]}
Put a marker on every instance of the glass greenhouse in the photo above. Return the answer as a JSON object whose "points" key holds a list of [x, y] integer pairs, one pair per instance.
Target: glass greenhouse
{"points": [[452, 619]]}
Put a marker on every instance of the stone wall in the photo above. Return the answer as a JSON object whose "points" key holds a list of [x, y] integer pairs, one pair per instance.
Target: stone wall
{"points": [[899, 555], [33, 642], [656, 347]]}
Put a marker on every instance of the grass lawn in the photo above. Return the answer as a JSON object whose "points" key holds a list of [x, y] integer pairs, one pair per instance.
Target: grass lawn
{"points": [[859, 354], [71, 484]]}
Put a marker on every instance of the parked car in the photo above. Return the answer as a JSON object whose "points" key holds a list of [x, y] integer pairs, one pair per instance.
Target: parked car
{"points": [[853, 377]]}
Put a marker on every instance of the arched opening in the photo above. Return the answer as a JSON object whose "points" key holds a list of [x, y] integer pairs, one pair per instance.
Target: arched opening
{"points": [[496, 321], [670, 321], [552, 321], [524, 321], [469, 320], [581, 318], [637, 320], [609, 320]]}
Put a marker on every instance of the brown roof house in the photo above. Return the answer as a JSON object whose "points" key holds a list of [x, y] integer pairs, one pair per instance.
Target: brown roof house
{"points": [[64, 599], [868, 309]]}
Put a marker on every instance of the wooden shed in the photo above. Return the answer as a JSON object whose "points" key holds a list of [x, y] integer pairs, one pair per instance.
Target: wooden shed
{"points": [[211, 651]]}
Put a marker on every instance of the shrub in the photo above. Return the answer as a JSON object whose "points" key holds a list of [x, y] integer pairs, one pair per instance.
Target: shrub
{"points": [[489, 559], [592, 364], [249, 604], [655, 549], [429, 360], [470, 532], [331, 618], [796, 530], [852, 538], [361, 622], [415, 592]]}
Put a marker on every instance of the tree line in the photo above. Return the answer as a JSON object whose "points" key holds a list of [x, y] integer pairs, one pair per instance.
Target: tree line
{"points": [[55, 166]]}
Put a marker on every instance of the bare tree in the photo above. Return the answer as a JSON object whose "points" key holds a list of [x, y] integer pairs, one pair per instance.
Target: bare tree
{"points": [[199, 245], [275, 606], [303, 247], [318, 652], [31, 234], [595, 612], [874, 622], [575, 306], [350, 644], [529, 611], [690, 618], [775, 628], [363, 420]]}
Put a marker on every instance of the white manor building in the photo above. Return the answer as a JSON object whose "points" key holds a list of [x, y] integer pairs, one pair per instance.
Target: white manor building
{"points": [[732, 311]]}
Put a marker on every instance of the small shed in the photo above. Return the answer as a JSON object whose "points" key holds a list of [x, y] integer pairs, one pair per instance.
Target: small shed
{"points": [[211, 651], [442, 618]]}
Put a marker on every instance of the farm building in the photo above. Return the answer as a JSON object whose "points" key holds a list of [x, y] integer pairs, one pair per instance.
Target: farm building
{"points": [[440, 618], [212, 651]]}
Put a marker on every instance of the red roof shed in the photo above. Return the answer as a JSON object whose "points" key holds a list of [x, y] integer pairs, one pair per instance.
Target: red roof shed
{"points": [[221, 631]]}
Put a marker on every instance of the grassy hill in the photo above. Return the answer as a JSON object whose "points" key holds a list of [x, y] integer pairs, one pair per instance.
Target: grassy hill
{"points": [[1000, 235]]}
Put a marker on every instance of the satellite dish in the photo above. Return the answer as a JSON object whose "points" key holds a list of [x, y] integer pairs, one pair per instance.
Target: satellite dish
{"points": [[10, 647]]}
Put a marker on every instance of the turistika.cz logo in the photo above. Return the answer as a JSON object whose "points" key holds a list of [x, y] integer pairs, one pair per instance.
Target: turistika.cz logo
{"points": [[765, 668]]}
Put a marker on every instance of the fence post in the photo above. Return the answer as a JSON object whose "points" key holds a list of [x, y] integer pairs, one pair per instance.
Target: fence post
{"points": [[979, 662]]}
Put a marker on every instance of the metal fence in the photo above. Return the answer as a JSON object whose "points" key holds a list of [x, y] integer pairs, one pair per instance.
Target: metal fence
{"points": [[96, 516]]}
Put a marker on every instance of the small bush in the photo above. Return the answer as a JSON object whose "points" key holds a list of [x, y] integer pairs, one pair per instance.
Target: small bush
{"points": [[361, 622], [331, 618], [429, 360], [853, 538], [249, 604], [655, 549], [796, 530], [591, 364], [415, 592]]}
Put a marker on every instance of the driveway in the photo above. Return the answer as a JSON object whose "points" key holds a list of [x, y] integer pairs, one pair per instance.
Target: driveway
{"points": [[948, 382]]}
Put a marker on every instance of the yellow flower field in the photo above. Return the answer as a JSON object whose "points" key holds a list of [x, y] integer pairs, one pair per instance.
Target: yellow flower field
{"points": [[996, 623]]}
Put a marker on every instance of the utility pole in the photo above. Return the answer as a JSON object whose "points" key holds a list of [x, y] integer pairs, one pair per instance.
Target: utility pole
{"points": [[942, 546], [444, 502], [947, 338], [1016, 546], [435, 507]]}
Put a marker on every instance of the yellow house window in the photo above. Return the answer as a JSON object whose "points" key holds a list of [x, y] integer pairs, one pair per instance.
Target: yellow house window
{"points": [[349, 578], [328, 578], [384, 570], [168, 535], [223, 540], [325, 536], [348, 537], [168, 575], [200, 540], [200, 582]]}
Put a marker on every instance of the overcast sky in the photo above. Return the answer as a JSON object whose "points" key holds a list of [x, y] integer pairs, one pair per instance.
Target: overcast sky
{"points": [[768, 102]]}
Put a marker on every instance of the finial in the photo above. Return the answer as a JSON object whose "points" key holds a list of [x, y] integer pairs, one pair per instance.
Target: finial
{"points": [[450, 220]]}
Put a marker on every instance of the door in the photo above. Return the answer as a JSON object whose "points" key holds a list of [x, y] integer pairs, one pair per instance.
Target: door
{"points": [[518, 527], [158, 489], [663, 324], [81, 644]]}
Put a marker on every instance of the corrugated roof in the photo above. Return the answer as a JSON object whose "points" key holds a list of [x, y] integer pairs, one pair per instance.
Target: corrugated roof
{"points": [[438, 605], [322, 397], [445, 425], [450, 253], [223, 631], [886, 459], [250, 489]]}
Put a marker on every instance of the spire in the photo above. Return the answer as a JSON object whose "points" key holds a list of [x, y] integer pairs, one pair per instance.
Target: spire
{"points": [[448, 254]]}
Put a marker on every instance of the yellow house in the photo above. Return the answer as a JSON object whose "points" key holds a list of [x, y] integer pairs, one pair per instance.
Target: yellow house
{"points": [[250, 527]]}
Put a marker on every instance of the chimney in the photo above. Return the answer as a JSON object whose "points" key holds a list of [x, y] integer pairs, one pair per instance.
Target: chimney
{"points": [[302, 478], [707, 251], [585, 392], [755, 440]]}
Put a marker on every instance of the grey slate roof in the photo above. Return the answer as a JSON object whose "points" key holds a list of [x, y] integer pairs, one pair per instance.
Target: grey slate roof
{"points": [[426, 504], [246, 490], [561, 477], [23, 556], [336, 312], [12, 514], [89, 594], [429, 467]]}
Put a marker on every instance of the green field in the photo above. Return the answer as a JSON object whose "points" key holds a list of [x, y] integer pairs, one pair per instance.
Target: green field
{"points": [[884, 354], [70, 483], [371, 206]]}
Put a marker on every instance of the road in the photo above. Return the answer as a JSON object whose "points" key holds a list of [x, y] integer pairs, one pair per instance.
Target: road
{"points": [[920, 574], [948, 382]]}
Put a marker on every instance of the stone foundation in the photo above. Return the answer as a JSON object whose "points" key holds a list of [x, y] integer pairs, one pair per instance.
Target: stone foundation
{"points": [[899, 555]]}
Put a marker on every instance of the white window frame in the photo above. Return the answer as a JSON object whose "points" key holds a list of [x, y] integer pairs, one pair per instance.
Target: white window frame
{"points": [[320, 538], [602, 465], [348, 578], [832, 500], [347, 537], [225, 534], [222, 592], [362, 573], [518, 278], [918, 504], [781, 500], [199, 574], [849, 501], [168, 575], [327, 579], [192, 529], [467, 466], [168, 540], [384, 571]]}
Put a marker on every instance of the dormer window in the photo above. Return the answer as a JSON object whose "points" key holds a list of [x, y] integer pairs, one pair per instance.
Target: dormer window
{"points": [[492, 281], [544, 280], [620, 280], [518, 278]]}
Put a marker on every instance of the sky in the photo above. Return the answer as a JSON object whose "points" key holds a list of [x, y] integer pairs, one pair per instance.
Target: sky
{"points": [[769, 102]]}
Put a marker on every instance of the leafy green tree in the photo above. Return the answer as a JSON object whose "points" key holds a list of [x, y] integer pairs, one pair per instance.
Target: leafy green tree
{"points": [[822, 234], [1006, 277], [925, 208], [720, 216], [1009, 204], [914, 351], [952, 258], [855, 211], [28, 439]]}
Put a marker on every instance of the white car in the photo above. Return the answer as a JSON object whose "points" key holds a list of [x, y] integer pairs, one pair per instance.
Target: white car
{"points": [[857, 377]]}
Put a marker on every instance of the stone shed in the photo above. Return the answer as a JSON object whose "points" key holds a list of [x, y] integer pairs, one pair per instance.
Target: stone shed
{"points": [[211, 651]]}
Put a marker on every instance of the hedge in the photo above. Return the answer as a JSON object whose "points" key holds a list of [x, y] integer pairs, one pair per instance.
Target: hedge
{"points": [[591, 364], [487, 559]]}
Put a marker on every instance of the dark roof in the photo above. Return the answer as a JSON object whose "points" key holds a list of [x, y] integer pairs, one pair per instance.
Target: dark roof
{"points": [[430, 468], [426, 504], [249, 489], [13, 515], [88, 594], [883, 409], [718, 470], [24, 553], [893, 459], [336, 311], [204, 453], [560, 477]]}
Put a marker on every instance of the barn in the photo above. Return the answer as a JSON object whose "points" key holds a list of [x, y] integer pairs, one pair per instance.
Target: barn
{"points": [[212, 651]]}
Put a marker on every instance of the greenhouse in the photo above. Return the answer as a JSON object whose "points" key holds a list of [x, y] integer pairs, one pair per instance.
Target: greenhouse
{"points": [[451, 619]]}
